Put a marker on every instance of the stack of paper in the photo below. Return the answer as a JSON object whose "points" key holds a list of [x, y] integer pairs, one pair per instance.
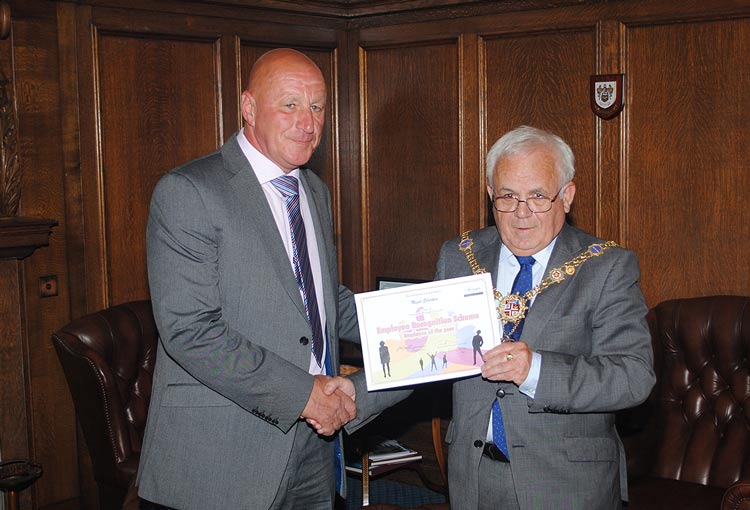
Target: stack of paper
{"points": [[382, 453]]}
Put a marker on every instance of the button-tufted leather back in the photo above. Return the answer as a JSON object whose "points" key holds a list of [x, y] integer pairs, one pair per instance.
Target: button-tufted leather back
{"points": [[108, 358], [702, 348]]}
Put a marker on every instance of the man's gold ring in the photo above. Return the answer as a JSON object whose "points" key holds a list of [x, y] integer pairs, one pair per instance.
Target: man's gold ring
{"points": [[509, 357]]}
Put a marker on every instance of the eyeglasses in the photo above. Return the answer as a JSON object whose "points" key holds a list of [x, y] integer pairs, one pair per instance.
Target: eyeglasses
{"points": [[508, 203]]}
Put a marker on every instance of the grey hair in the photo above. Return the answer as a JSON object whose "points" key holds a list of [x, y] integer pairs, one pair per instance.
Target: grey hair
{"points": [[524, 139]]}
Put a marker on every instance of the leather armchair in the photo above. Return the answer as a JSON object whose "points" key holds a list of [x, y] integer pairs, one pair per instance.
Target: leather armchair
{"points": [[692, 445], [108, 358]]}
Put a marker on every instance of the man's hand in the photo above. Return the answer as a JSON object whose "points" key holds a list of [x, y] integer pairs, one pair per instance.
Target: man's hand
{"points": [[509, 361], [329, 411], [341, 384]]}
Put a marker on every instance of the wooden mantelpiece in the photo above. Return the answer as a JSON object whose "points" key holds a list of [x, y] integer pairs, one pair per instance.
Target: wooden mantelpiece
{"points": [[20, 236]]}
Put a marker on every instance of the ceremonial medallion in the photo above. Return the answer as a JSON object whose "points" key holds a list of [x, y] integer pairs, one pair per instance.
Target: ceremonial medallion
{"points": [[512, 308]]}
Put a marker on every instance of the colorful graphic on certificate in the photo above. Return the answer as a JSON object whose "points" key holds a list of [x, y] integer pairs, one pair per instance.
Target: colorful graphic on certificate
{"points": [[427, 332]]}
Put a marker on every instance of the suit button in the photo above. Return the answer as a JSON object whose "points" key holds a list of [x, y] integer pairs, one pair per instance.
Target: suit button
{"points": [[478, 443], [500, 393], [304, 340]]}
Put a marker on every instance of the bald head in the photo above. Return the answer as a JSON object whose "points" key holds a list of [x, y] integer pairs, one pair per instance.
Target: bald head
{"points": [[279, 60], [283, 107]]}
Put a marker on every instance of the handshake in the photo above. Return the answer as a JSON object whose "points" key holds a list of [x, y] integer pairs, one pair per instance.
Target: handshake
{"points": [[331, 404]]}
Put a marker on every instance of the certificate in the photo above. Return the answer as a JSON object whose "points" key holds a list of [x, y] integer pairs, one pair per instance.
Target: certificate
{"points": [[426, 332]]}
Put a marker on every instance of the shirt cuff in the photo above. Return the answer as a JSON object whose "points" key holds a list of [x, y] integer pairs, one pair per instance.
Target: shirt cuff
{"points": [[529, 385]]}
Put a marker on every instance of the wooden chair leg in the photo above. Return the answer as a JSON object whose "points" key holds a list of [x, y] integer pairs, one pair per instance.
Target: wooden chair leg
{"points": [[365, 479]]}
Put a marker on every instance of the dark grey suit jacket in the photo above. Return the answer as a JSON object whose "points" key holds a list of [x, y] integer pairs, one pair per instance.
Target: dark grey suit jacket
{"points": [[596, 358], [231, 377]]}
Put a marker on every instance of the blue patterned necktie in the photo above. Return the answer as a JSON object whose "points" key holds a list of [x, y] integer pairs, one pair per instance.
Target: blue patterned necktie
{"points": [[289, 188], [521, 285]]}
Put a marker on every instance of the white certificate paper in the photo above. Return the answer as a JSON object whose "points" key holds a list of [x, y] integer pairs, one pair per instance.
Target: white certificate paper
{"points": [[426, 332]]}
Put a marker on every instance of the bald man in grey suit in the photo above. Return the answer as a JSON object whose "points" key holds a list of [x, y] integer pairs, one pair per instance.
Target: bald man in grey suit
{"points": [[584, 350], [237, 382]]}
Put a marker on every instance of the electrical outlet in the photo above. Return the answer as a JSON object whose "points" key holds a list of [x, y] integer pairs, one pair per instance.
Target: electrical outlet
{"points": [[48, 286]]}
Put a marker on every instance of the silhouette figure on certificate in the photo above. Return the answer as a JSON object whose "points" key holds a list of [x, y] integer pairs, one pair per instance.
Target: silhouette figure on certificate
{"points": [[421, 364], [445, 359], [433, 365], [385, 358], [476, 343]]}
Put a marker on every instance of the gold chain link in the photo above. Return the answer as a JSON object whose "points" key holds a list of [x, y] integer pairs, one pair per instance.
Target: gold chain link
{"points": [[555, 275]]}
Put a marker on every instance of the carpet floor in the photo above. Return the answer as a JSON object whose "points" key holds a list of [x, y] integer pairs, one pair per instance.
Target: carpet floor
{"points": [[386, 491]]}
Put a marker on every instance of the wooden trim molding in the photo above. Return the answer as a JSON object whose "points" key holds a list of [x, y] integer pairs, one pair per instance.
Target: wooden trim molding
{"points": [[19, 236]]}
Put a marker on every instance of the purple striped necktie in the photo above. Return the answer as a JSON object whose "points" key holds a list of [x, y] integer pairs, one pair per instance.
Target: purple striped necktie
{"points": [[289, 188]]}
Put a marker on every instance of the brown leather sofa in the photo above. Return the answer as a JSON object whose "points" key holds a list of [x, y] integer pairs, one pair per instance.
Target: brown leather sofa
{"points": [[691, 445], [108, 358]]}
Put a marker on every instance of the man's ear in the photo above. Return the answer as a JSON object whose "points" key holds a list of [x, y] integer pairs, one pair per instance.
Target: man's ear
{"points": [[248, 108], [568, 194]]}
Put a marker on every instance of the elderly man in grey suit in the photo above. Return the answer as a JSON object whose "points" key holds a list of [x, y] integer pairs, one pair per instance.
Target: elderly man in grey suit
{"points": [[537, 429], [243, 278]]}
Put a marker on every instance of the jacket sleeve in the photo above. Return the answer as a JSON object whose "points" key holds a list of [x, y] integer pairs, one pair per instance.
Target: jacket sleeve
{"points": [[616, 372], [183, 266]]}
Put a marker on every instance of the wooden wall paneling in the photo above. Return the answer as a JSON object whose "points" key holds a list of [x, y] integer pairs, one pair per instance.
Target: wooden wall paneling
{"points": [[89, 145], [70, 135], [50, 416], [344, 153], [14, 440], [231, 84], [541, 79], [351, 246], [474, 203], [608, 145], [174, 84], [411, 164], [688, 184], [188, 97], [153, 103]]}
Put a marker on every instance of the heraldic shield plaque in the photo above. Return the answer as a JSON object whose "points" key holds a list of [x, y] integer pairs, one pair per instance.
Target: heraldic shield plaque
{"points": [[607, 94]]}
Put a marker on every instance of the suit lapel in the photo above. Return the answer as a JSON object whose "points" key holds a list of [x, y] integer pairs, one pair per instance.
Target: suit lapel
{"points": [[487, 252], [566, 247], [251, 197]]}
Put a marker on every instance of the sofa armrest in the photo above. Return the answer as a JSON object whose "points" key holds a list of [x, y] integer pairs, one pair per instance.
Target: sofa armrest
{"points": [[737, 497]]}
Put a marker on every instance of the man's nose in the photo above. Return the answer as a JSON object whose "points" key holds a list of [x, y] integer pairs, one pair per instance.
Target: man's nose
{"points": [[305, 120], [523, 210]]}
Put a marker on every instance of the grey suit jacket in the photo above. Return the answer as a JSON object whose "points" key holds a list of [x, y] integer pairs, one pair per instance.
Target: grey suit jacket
{"points": [[596, 358], [231, 376]]}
